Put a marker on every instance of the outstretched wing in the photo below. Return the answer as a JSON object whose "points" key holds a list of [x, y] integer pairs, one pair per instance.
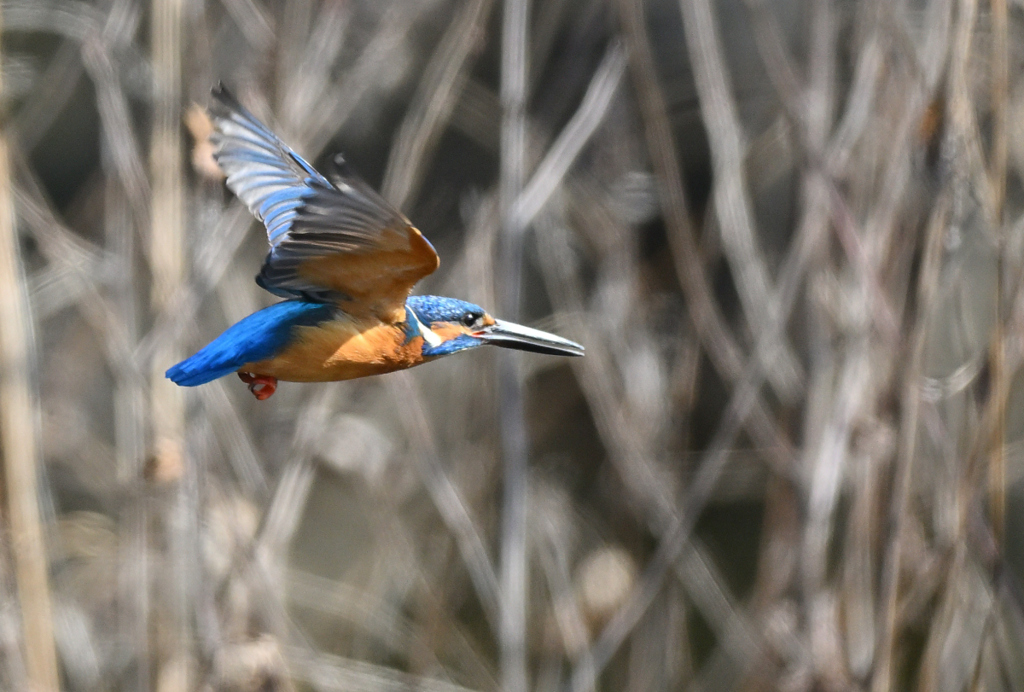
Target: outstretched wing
{"points": [[330, 241]]}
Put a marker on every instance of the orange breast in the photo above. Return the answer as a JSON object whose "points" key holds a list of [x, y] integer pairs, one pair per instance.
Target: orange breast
{"points": [[342, 349]]}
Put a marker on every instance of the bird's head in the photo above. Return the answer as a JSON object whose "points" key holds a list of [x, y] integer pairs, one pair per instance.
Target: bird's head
{"points": [[448, 325]]}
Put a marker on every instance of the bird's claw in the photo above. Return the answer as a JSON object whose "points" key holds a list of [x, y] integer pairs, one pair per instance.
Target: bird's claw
{"points": [[261, 386]]}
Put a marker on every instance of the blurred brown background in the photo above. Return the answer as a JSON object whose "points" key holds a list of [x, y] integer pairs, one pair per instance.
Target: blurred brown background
{"points": [[789, 234]]}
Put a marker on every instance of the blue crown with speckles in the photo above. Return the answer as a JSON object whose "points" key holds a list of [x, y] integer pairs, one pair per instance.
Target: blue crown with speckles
{"points": [[431, 309]]}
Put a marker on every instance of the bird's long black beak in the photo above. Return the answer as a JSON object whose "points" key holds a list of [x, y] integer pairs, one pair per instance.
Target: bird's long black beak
{"points": [[509, 335]]}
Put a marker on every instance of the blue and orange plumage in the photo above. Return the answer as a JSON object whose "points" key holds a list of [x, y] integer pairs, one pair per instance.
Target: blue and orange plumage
{"points": [[346, 261]]}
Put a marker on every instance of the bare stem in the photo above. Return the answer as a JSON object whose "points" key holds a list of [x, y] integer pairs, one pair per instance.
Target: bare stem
{"points": [[515, 447], [19, 415]]}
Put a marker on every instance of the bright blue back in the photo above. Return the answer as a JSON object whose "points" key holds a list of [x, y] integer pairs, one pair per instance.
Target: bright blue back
{"points": [[259, 336]]}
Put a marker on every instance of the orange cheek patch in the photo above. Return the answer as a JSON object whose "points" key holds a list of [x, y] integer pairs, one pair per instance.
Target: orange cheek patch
{"points": [[487, 321], [449, 330]]}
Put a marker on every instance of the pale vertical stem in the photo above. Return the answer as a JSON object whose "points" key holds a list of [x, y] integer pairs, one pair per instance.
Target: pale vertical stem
{"points": [[828, 457], [1000, 89], [18, 443], [166, 241], [18, 425], [167, 258], [129, 434], [512, 629]]}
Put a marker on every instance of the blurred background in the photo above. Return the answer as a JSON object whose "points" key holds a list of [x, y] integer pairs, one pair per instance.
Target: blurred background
{"points": [[790, 235]]}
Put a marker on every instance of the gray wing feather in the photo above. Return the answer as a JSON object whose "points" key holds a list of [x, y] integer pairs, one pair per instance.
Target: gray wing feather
{"points": [[306, 215]]}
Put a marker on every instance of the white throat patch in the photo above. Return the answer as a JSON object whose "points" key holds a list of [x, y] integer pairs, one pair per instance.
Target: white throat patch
{"points": [[428, 334]]}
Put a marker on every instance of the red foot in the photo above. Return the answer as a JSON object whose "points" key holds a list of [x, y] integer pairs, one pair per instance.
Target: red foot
{"points": [[261, 386]]}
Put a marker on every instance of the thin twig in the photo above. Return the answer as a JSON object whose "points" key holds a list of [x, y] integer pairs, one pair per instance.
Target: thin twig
{"points": [[327, 672], [322, 123], [889, 597], [572, 139], [718, 342], [447, 499], [732, 202], [436, 96]]}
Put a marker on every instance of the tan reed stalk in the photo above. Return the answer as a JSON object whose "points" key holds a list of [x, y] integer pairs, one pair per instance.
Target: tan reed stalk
{"points": [[168, 270], [19, 417], [166, 234]]}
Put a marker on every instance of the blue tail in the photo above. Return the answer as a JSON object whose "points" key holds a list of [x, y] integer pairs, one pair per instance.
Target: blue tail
{"points": [[259, 336]]}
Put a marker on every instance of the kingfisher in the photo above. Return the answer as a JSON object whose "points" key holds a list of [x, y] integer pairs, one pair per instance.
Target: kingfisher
{"points": [[346, 261]]}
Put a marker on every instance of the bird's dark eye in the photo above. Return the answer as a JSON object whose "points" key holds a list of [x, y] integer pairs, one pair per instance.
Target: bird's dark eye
{"points": [[470, 319]]}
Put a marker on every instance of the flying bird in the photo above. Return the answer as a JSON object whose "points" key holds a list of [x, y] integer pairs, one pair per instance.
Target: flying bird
{"points": [[346, 261]]}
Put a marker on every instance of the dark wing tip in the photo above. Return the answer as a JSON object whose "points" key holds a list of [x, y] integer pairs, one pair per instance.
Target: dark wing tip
{"points": [[340, 169], [223, 96]]}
